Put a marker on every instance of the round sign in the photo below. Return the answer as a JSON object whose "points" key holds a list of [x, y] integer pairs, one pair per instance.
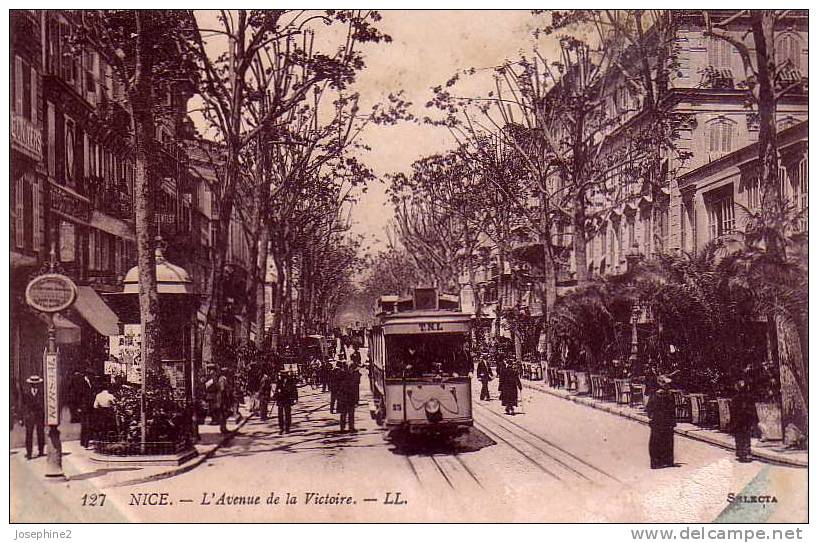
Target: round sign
{"points": [[51, 292]]}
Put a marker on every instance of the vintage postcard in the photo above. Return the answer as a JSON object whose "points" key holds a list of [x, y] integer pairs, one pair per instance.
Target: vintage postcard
{"points": [[409, 266]]}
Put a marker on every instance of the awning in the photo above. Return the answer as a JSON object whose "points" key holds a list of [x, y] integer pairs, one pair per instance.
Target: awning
{"points": [[94, 310], [68, 333]]}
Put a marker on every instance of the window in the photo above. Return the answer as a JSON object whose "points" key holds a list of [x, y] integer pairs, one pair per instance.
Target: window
{"points": [[35, 218], [603, 241], [720, 137], [719, 53], [623, 98], [432, 354], [788, 49], [19, 212], [647, 232], [783, 184], [51, 137], [631, 231], [800, 192], [24, 90], [753, 193], [722, 216]]}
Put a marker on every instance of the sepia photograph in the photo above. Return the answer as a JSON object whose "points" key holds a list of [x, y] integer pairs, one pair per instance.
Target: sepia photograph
{"points": [[409, 266]]}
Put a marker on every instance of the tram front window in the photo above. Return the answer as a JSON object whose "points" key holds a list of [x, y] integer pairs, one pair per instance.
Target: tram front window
{"points": [[415, 355]]}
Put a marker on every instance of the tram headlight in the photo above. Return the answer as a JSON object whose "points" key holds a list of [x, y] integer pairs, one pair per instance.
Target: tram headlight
{"points": [[432, 405]]}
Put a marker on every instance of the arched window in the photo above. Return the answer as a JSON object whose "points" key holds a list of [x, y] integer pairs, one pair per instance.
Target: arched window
{"points": [[788, 47], [720, 137]]}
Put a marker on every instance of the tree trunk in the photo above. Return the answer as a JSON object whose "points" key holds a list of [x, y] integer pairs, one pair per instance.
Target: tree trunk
{"points": [[580, 240], [214, 297], [501, 261], [794, 378], [261, 300], [763, 22], [141, 99], [278, 304]]}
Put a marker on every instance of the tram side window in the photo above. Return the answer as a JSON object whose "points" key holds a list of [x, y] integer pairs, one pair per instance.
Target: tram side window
{"points": [[421, 355]]}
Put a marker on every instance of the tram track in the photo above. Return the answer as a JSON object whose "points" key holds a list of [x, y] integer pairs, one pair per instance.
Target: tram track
{"points": [[546, 443], [448, 468]]}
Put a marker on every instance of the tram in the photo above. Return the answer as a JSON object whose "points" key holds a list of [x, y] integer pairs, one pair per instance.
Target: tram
{"points": [[419, 372]]}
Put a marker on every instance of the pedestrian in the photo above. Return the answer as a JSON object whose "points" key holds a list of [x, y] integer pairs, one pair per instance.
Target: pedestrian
{"points": [[484, 375], [264, 394], [33, 405], [85, 399], [286, 395], [224, 400], [346, 398], [355, 357], [500, 365], [743, 419], [661, 410], [326, 372], [336, 376], [509, 387], [104, 415], [355, 377]]}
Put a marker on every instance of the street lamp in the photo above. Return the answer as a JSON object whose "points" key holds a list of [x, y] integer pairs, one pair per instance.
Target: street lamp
{"points": [[633, 257]]}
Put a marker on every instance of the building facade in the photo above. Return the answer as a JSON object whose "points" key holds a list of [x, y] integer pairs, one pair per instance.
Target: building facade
{"points": [[72, 188], [687, 202]]}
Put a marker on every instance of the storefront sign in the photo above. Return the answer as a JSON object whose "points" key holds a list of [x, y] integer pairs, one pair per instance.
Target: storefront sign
{"points": [[51, 292], [52, 407], [69, 204], [25, 137]]}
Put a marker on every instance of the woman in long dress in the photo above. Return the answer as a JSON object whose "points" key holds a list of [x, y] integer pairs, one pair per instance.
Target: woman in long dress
{"points": [[509, 386], [661, 409]]}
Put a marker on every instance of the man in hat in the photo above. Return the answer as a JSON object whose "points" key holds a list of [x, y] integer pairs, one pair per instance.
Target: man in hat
{"points": [[743, 420], [661, 409], [286, 395], [34, 413], [224, 399]]}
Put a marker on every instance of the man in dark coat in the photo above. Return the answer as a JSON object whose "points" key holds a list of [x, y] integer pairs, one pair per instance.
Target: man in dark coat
{"points": [[348, 382], [744, 419], [355, 357], [264, 386], [224, 399], [286, 395], [32, 401], [510, 384], [484, 375], [661, 409], [335, 379], [326, 373]]}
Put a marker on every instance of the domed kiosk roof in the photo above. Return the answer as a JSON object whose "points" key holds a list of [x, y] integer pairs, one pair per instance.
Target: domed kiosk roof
{"points": [[170, 278]]}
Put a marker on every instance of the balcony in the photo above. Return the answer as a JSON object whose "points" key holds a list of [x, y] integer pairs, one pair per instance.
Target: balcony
{"points": [[113, 202]]}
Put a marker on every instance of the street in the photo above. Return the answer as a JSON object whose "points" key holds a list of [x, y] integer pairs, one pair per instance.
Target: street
{"points": [[555, 461]]}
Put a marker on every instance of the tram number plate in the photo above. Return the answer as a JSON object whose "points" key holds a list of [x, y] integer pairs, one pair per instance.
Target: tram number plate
{"points": [[396, 407], [430, 326]]}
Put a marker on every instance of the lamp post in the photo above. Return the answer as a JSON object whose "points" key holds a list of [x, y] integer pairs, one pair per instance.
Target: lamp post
{"points": [[633, 257], [51, 292]]}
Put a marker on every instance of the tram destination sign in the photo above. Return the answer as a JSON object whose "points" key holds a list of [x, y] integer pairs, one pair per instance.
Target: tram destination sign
{"points": [[51, 292]]}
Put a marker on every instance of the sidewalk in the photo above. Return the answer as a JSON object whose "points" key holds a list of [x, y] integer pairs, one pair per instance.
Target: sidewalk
{"points": [[770, 451], [78, 466]]}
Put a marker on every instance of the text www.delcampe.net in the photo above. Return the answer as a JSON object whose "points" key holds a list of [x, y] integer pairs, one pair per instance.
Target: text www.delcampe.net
{"points": [[718, 534]]}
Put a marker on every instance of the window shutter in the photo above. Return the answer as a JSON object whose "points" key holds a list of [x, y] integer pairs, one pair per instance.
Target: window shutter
{"points": [[34, 102], [19, 212], [18, 85], [50, 120], [35, 223]]}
